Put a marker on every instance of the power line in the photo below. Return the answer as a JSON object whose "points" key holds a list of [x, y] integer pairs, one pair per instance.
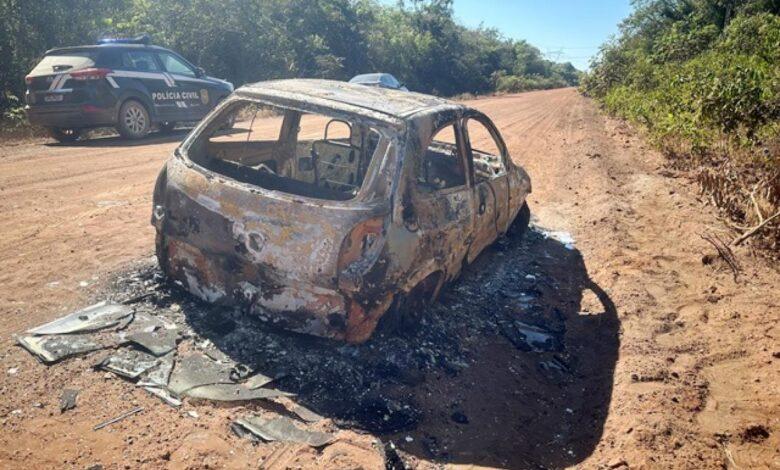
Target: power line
{"points": [[554, 55], [572, 48]]}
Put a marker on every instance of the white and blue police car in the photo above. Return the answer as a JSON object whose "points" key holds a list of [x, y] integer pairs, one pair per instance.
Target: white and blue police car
{"points": [[128, 84]]}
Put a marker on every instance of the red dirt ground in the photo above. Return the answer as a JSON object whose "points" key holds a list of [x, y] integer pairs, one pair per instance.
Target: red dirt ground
{"points": [[695, 383]]}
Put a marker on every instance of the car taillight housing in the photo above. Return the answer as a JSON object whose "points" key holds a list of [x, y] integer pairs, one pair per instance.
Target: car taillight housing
{"points": [[359, 251], [89, 74]]}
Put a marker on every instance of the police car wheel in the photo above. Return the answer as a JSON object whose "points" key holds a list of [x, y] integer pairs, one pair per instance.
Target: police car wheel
{"points": [[167, 126], [64, 135], [134, 122]]}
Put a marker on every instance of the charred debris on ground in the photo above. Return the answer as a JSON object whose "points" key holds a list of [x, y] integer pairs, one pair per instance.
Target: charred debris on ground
{"points": [[154, 334]]}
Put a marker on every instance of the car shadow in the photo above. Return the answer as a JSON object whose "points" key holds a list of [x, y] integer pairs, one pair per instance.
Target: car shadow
{"points": [[108, 140], [512, 368], [537, 389], [153, 138]]}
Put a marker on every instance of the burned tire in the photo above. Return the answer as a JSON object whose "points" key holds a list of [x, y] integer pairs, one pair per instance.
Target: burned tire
{"points": [[407, 309], [520, 224], [134, 121], [64, 136], [161, 251]]}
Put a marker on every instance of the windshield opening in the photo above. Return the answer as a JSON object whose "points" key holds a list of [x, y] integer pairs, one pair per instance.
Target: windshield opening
{"points": [[287, 150]]}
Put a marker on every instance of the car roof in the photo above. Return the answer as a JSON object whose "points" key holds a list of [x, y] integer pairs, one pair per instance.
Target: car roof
{"points": [[337, 94]]}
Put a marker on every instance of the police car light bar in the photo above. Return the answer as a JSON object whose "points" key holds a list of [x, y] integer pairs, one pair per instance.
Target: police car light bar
{"points": [[142, 39]]}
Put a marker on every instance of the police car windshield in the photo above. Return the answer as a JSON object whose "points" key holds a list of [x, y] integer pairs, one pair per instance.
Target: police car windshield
{"points": [[66, 60], [287, 150]]}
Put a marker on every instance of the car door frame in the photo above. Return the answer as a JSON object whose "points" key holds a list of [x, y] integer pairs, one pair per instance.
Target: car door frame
{"points": [[152, 82], [444, 231], [495, 223], [190, 109]]}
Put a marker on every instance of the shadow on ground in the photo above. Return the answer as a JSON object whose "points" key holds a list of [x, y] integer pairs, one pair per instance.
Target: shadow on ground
{"points": [[109, 139], [512, 368], [113, 140]]}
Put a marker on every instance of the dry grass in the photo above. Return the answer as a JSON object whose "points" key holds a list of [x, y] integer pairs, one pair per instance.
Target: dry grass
{"points": [[743, 182]]}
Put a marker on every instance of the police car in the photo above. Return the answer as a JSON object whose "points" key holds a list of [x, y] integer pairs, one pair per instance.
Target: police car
{"points": [[123, 83], [381, 80]]}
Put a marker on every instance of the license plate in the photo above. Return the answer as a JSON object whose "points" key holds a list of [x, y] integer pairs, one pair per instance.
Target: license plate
{"points": [[52, 98]]}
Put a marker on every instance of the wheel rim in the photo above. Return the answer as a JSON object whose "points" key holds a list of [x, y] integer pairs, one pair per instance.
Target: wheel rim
{"points": [[135, 119]]}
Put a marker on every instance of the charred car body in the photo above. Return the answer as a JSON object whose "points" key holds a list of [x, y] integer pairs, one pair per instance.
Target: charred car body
{"points": [[335, 204]]}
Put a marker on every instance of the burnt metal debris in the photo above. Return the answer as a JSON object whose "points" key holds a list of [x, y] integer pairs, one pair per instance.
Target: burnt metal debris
{"points": [[96, 317], [70, 335], [51, 349], [283, 429], [143, 346], [366, 386], [197, 376], [197, 370], [129, 363], [68, 399], [119, 418], [321, 234], [306, 414]]}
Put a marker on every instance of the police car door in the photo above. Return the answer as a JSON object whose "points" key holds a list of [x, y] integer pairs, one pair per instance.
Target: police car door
{"points": [[140, 71], [192, 96]]}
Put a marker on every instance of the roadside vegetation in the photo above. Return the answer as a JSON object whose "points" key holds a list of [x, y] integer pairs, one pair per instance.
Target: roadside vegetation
{"points": [[420, 42], [702, 77]]}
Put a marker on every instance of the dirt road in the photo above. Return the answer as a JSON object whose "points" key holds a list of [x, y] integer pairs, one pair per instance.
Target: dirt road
{"points": [[668, 362]]}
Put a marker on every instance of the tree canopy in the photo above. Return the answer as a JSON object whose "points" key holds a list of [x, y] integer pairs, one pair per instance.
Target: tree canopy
{"points": [[695, 69], [243, 41]]}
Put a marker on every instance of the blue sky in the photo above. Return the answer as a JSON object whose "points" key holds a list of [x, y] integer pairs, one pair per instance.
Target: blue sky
{"points": [[565, 30]]}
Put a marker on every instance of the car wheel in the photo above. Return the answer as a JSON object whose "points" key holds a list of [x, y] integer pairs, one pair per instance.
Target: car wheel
{"points": [[134, 122], [64, 135], [520, 224], [161, 250], [167, 126]]}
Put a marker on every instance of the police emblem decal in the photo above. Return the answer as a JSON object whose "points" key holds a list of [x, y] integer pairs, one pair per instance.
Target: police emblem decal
{"points": [[204, 96]]}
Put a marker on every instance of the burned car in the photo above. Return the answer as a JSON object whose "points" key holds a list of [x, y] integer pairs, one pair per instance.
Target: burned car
{"points": [[328, 204]]}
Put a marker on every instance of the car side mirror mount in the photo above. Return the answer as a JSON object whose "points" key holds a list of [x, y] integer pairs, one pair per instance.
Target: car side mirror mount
{"points": [[199, 72]]}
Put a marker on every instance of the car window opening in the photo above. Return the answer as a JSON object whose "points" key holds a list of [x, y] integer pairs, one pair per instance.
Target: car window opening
{"points": [[485, 151], [64, 61], [286, 150], [441, 166]]}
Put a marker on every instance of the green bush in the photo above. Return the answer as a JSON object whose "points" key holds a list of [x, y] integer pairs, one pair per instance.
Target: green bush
{"points": [[757, 36], [703, 78], [13, 117], [692, 80]]}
